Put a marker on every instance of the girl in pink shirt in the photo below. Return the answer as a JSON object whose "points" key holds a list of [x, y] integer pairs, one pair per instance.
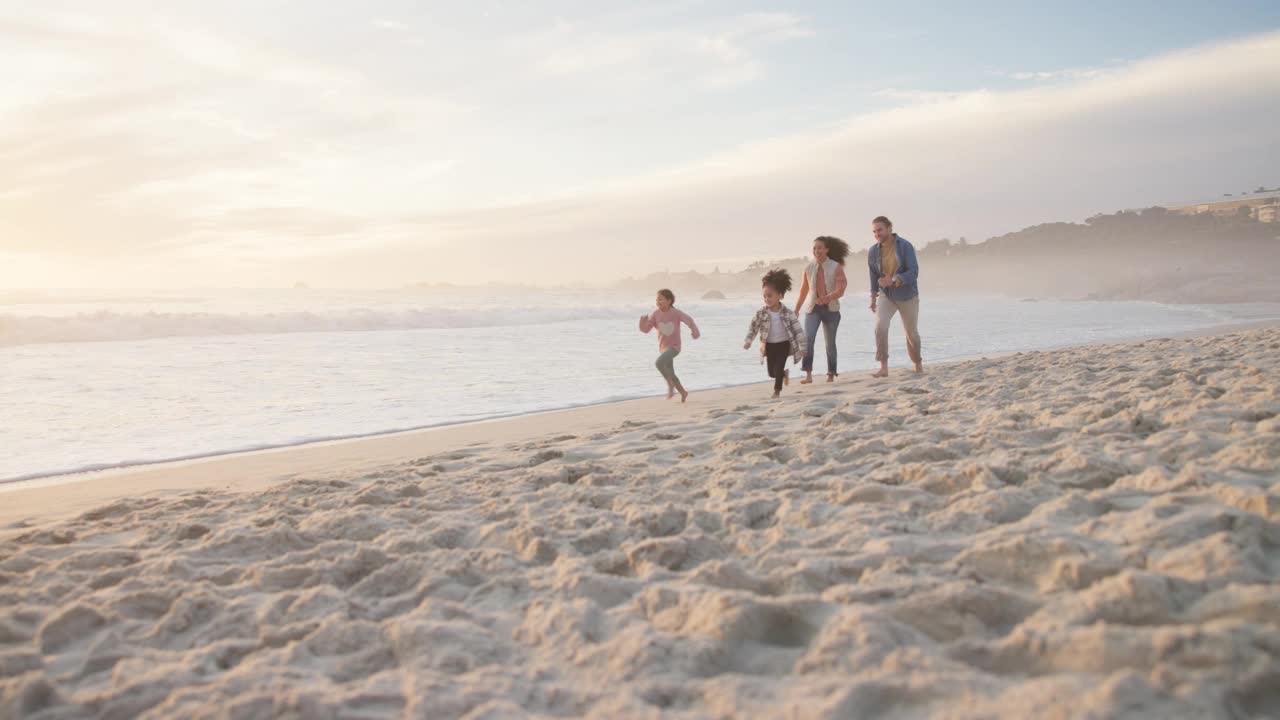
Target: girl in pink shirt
{"points": [[666, 319]]}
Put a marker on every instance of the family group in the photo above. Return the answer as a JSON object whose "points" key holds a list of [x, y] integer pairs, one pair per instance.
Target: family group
{"points": [[894, 275]]}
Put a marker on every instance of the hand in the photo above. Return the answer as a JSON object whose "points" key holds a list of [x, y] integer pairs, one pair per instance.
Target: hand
{"points": [[885, 282], [873, 304], [696, 335], [746, 346]]}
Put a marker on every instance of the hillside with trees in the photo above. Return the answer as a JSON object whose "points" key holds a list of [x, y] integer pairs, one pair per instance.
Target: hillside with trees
{"points": [[1151, 254]]}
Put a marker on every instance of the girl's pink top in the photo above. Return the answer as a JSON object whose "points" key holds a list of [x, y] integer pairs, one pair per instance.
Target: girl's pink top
{"points": [[668, 327]]}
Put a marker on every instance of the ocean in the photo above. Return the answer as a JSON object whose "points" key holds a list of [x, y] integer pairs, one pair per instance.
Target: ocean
{"points": [[95, 379]]}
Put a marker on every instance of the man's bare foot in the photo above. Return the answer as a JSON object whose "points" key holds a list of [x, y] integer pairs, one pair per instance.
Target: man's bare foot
{"points": [[808, 378], [831, 377], [919, 369], [881, 373]]}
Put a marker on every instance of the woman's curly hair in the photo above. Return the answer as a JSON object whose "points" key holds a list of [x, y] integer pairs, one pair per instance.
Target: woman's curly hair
{"points": [[837, 249]]}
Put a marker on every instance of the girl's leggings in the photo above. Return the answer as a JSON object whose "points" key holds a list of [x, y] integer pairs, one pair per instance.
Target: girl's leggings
{"points": [[666, 364], [776, 354]]}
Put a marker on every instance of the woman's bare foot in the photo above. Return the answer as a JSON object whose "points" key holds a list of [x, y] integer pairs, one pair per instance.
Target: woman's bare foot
{"points": [[671, 392], [831, 377], [919, 369], [881, 373], [684, 394], [777, 394], [786, 377], [808, 378]]}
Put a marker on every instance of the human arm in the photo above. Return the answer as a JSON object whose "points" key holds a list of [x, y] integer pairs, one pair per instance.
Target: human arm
{"points": [[909, 269], [871, 267], [647, 323], [842, 283], [693, 327], [799, 338], [751, 332], [804, 292]]}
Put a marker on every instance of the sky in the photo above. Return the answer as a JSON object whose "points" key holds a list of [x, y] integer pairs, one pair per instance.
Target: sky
{"points": [[148, 144]]}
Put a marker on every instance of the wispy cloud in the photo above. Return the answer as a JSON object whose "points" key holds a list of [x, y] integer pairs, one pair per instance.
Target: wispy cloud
{"points": [[941, 164], [723, 53], [393, 25], [924, 96], [1061, 74]]}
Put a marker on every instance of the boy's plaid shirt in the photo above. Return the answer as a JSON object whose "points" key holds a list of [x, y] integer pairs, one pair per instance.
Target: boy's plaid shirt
{"points": [[791, 321]]}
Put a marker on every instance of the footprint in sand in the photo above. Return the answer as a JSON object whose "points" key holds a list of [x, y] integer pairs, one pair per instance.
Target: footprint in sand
{"points": [[635, 451], [542, 444], [545, 456], [663, 436]]}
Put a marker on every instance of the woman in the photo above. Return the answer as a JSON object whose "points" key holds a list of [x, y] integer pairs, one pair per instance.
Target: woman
{"points": [[824, 283]]}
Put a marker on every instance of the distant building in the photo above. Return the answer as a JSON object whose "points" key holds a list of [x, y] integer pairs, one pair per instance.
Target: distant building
{"points": [[1262, 206]]}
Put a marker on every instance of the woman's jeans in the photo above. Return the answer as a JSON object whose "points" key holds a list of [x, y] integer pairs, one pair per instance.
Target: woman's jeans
{"points": [[830, 321]]}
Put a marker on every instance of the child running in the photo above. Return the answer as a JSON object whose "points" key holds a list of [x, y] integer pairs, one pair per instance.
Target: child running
{"points": [[779, 328], [667, 320]]}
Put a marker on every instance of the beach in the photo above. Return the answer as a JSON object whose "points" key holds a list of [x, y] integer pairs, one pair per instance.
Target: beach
{"points": [[116, 380], [1082, 532]]}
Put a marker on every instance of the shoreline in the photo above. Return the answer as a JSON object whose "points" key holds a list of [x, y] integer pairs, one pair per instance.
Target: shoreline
{"points": [[244, 470]]}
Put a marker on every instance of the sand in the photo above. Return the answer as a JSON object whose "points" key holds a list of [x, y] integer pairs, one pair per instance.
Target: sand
{"points": [[1080, 533]]}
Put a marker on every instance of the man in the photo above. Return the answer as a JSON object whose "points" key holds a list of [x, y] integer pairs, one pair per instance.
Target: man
{"points": [[894, 272]]}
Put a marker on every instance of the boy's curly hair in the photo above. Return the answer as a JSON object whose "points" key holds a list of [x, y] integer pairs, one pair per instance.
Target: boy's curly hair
{"points": [[778, 279]]}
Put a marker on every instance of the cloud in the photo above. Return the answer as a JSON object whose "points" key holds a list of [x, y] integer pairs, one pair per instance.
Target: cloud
{"points": [[393, 25], [1068, 74], [917, 97], [155, 147], [146, 125], [721, 53], [974, 164]]}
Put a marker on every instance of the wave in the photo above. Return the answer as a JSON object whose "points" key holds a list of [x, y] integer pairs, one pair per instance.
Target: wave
{"points": [[105, 326], [15, 297]]}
